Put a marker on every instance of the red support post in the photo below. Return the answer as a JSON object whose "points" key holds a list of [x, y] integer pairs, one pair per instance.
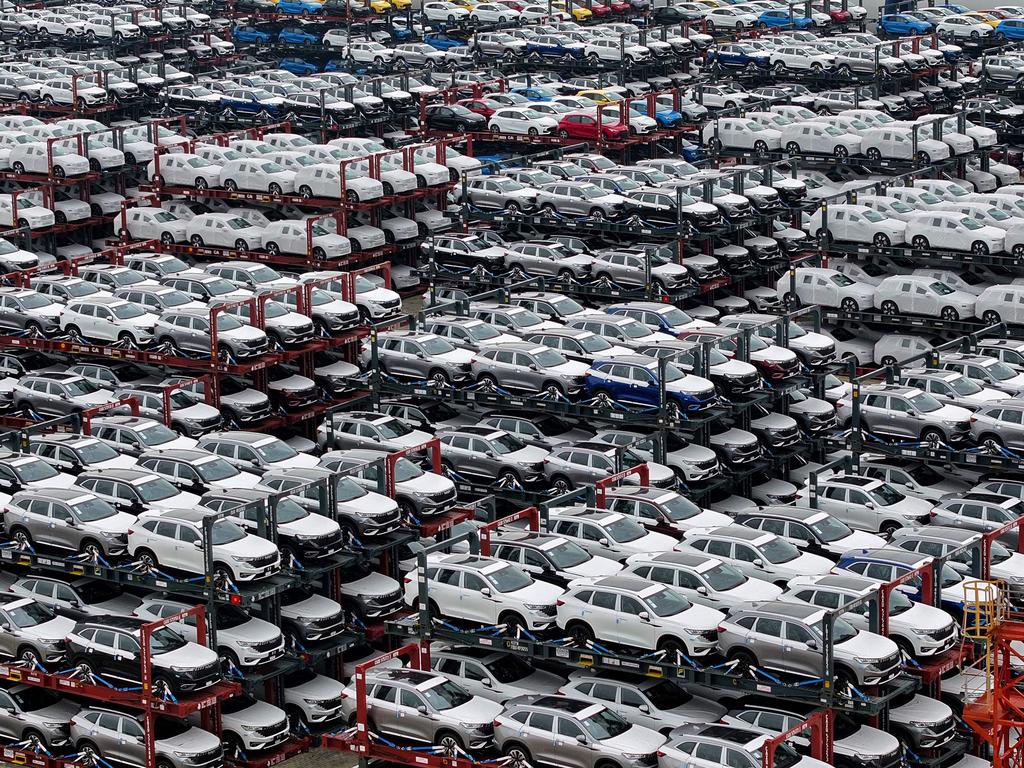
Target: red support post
{"points": [[530, 514], [432, 448], [601, 486]]}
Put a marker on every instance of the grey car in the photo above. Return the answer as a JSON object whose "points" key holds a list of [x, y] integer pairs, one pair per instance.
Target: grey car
{"points": [[909, 413], [501, 193], [578, 198], [715, 744], [548, 258], [33, 632], [492, 674], [158, 299], [22, 309], [188, 331], [587, 462], [418, 54], [787, 637], [114, 736], [630, 268], [420, 356], [531, 368], [550, 305], [15, 87], [425, 707], [578, 344], [467, 333], [61, 394], [67, 519], [63, 288], [492, 456], [187, 415], [998, 426], [564, 731], [30, 713], [369, 429], [979, 511]]}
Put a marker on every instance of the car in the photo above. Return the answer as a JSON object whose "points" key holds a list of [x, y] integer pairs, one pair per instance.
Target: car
{"points": [[955, 231], [590, 610], [255, 451], [225, 230], [701, 579], [637, 380], [551, 558], [812, 530], [110, 734], [421, 356], [528, 367], [32, 714], [184, 170], [187, 331], [758, 554], [962, 27], [194, 470], [60, 394], [825, 287], [27, 310], [521, 120], [704, 746], [605, 533], [979, 511], [902, 25], [157, 542], [485, 590], [765, 635], [257, 175], [740, 133], [491, 455], [67, 519]]}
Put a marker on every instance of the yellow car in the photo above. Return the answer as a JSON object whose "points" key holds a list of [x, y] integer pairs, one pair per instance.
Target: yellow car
{"points": [[400, 4], [579, 13], [466, 4], [378, 6], [992, 21], [601, 96]]}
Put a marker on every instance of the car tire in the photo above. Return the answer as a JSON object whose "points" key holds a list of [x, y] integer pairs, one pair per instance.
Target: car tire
{"points": [[873, 153], [553, 389], [148, 559], [561, 484], [580, 632], [991, 441], [881, 240], [991, 317], [979, 248], [230, 185], [513, 621], [517, 755], [949, 314], [889, 307], [793, 148], [849, 305], [91, 548], [920, 242], [744, 657], [931, 435], [241, 245], [21, 537]]}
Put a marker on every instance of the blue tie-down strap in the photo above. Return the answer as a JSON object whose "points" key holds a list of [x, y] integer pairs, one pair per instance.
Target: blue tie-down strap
{"points": [[509, 483], [520, 631], [558, 397], [357, 622], [805, 683], [765, 675], [234, 671], [593, 645], [26, 547], [681, 658], [94, 759], [857, 693], [168, 695], [480, 386], [32, 745], [446, 624], [911, 755], [98, 559], [295, 564]]}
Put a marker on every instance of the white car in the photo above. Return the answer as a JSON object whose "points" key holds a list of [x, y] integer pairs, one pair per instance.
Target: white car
{"points": [[444, 11], [846, 222], [1001, 304], [521, 120], [185, 170], [984, 214], [486, 591], [79, 94], [607, 534], [818, 138], [637, 613], [898, 143], [868, 504], [702, 579], [258, 175], [363, 51], [28, 214], [295, 237], [827, 287], [155, 224], [237, 555], [922, 295], [601, 49], [326, 181], [105, 318], [953, 231], [963, 28], [786, 58], [890, 207], [758, 554], [493, 12], [35, 158], [225, 230], [730, 18], [740, 133]]}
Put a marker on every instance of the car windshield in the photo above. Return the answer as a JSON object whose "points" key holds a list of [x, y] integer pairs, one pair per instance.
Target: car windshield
{"points": [[446, 695], [723, 577], [778, 551], [95, 451], [997, 214], [435, 346], [276, 450], [925, 403], [678, 508], [174, 298], [30, 615], [567, 554], [127, 311], [624, 530], [885, 495], [509, 579], [634, 329], [506, 443], [667, 694], [393, 428], [830, 529], [667, 602], [482, 331], [347, 489], [157, 434], [226, 322], [898, 603], [971, 224], [605, 725], [156, 489], [548, 358], [165, 640], [93, 509], [32, 470], [34, 301], [215, 469], [594, 343], [965, 386], [949, 577], [226, 532], [841, 630], [508, 668]]}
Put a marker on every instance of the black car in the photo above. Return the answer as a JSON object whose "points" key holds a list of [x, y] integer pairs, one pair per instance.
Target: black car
{"points": [[670, 14], [669, 208], [109, 647], [189, 469], [454, 117], [463, 251]]}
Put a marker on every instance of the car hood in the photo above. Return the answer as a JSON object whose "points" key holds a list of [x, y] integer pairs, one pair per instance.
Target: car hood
{"points": [[921, 616], [258, 714], [595, 567], [254, 630], [856, 540], [118, 523], [250, 546], [870, 741], [373, 584], [809, 564], [539, 592], [190, 656], [291, 383], [193, 741], [869, 645], [314, 607], [476, 710], [754, 589], [247, 397], [952, 413], [921, 709], [56, 628], [312, 525], [637, 740], [529, 454]]}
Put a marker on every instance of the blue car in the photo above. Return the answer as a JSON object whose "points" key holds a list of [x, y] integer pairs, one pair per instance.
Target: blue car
{"points": [[533, 94], [251, 101], [1010, 29], [299, 7], [554, 47], [298, 66], [887, 563], [442, 42], [899, 24], [633, 380], [297, 36], [248, 34], [667, 118], [783, 19], [738, 56], [692, 152]]}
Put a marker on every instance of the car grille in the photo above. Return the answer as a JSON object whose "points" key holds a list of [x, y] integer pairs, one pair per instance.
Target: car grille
{"points": [[651, 759], [785, 435], [270, 730], [213, 668], [327, 621], [668, 482], [329, 703], [378, 515], [324, 541], [255, 343], [790, 365], [888, 662], [941, 634], [891, 760], [209, 755], [385, 599], [546, 610], [711, 635], [266, 645], [744, 452], [260, 562], [705, 464], [212, 421], [442, 497], [390, 303]]}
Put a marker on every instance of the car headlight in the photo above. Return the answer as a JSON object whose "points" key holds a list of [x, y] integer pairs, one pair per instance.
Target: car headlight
{"points": [[187, 754], [110, 534], [472, 726], [917, 631], [635, 755], [249, 727], [535, 607], [55, 726], [182, 669], [861, 660], [244, 644], [918, 724]]}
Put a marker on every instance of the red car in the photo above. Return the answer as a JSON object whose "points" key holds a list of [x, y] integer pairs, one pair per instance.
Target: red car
{"points": [[621, 6], [838, 15], [483, 107], [774, 363], [583, 125], [600, 10]]}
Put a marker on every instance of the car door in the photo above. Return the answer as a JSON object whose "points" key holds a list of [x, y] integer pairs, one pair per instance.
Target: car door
{"points": [[480, 602], [133, 739], [568, 748], [768, 642], [801, 650], [64, 531], [383, 704], [409, 722], [634, 630]]}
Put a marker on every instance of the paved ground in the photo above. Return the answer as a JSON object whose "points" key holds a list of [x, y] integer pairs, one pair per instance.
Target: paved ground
{"points": [[321, 758]]}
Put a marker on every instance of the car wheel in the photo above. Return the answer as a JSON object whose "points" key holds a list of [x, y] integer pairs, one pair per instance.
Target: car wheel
{"points": [[230, 185], [743, 658], [881, 240], [979, 248], [793, 148], [22, 538], [518, 756], [241, 245], [991, 317], [514, 623], [889, 308], [920, 242], [34, 329], [439, 379], [553, 390], [91, 549], [840, 152], [949, 314], [147, 560], [561, 484], [993, 443], [873, 153], [581, 633], [924, 158], [197, 241], [548, 209], [449, 742], [932, 435], [18, 167], [849, 305], [274, 188]]}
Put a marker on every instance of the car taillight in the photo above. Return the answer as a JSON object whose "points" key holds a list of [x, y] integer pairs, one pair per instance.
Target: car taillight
{"points": [[973, 419], [131, 531], [660, 753], [495, 723], [721, 628], [408, 580], [344, 695], [562, 602], [933, 513]]}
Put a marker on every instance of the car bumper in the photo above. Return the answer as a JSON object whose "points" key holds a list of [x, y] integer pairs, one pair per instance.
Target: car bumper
{"points": [[250, 573], [250, 657]]}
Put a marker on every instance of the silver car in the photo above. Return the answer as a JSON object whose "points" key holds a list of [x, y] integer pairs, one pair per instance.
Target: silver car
{"points": [[369, 429], [492, 674], [548, 258], [999, 426], [114, 736], [67, 519], [30, 713], [501, 193], [564, 731], [587, 462], [22, 309], [60, 394], [579, 198], [630, 268], [424, 707], [979, 511], [188, 331], [32, 632], [420, 356], [531, 368], [492, 455], [909, 413]]}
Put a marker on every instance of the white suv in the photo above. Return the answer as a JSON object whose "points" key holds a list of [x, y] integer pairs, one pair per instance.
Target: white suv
{"points": [[868, 504], [104, 318], [173, 539], [486, 591]]}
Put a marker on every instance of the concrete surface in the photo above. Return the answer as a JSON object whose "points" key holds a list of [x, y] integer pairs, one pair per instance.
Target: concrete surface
{"points": [[322, 758]]}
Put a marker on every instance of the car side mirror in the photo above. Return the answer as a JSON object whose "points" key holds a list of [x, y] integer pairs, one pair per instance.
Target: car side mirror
{"points": [[603, 542], [422, 709], [198, 544], [581, 739], [909, 485], [812, 644], [870, 505], [644, 616], [645, 709], [486, 591], [5, 626], [489, 454], [702, 590], [75, 602], [758, 562], [486, 682], [533, 366]]}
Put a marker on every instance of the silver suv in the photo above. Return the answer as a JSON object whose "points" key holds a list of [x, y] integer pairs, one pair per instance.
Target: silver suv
{"points": [[560, 730], [908, 413], [112, 735], [188, 330], [492, 455], [425, 707], [26, 310], [579, 198], [787, 637], [67, 519], [32, 632], [61, 394], [418, 355], [531, 368], [29, 713]]}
